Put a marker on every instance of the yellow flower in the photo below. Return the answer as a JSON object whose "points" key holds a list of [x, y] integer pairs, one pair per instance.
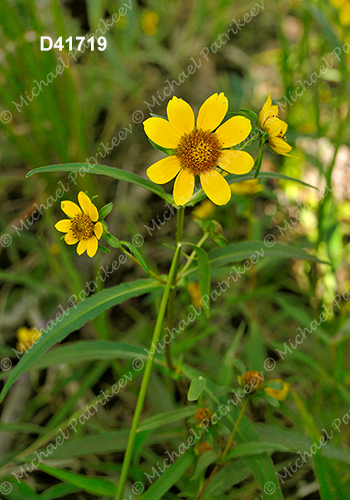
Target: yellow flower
{"points": [[149, 22], [26, 338], [276, 128], [344, 11], [198, 150], [204, 209], [82, 227], [281, 394], [247, 187]]}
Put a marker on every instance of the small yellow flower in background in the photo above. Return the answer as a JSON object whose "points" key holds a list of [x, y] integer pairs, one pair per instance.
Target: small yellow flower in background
{"points": [[204, 209], [281, 394], [202, 414], [253, 379], [196, 296], [26, 338], [344, 11], [83, 226], [198, 150], [54, 249], [203, 447], [247, 187], [149, 22], [276, 128]]}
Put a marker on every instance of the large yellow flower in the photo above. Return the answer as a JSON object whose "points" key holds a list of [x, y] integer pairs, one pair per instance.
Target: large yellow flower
{"points": [[344, 11], [276, 128], [82, 227], [198, 150]]}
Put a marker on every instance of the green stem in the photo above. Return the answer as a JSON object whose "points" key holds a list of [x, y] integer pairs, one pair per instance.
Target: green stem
{"points": [[171, 303], [226, 450], [192, 256], [146, 376]]}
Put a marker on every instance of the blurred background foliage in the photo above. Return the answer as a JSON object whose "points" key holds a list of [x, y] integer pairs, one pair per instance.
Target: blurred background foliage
{"points": [[97, 96]]}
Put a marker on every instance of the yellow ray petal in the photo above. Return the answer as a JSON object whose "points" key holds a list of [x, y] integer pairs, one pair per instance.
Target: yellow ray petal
{"points": [[234, 131], [63, 225], [93, 212], [212, 112], [236, 162], [344, 16], [84, 202], [82, 245], [71, 209], [98, 230], [161, 132], [183, 187], [92, 245], [264, 110], [280, 146], [180, 116], [164, 170], [70, 239], [216, 187]]}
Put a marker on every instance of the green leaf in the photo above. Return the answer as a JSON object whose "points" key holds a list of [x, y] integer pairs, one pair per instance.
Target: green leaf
{"points": [[272, 401], [169, 478], [254, 251], [163, 419], [95, 485], [203, 275], [111, 240], [208, 458], [89, 350], [254, 448], [114, 172], [103, 249], [258, 163], [104, 211], [137, 254], [75, 317], [253, 116], [196, 388]]}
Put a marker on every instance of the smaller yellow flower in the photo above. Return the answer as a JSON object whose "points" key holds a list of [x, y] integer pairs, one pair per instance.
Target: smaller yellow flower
{"points": [[83, 226], [202, 414], [149, 22], [251, 379], [276, 128], [247, 187], [280, 395], [344, 11], [204, 209], [26, 338]]}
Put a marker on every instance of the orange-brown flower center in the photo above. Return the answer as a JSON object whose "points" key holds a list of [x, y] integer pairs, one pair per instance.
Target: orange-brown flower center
{"points": [[199, 151], [82, 227]]}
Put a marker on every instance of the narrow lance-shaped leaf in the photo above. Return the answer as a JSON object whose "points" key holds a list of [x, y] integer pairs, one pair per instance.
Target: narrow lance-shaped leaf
{"points": [[114, 172]]}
